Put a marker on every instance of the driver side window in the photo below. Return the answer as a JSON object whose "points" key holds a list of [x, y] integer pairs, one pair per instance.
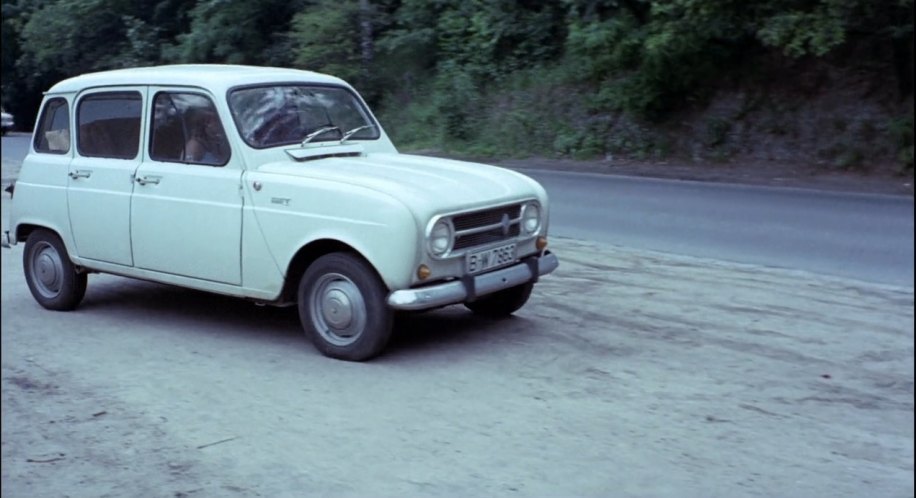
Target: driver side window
{"points": [[186, 128]]}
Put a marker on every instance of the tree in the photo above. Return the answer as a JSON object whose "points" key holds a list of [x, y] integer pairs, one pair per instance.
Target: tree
{"points": [[236, 32], [327, 37]]}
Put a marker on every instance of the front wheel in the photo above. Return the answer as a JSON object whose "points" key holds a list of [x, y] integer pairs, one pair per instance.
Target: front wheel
{"points": [[51, 276], [342, 307], [502, 303]]}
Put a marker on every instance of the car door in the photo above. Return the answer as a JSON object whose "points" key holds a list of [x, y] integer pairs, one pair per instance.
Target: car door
{"points": [[108, 129], [186, 210]]}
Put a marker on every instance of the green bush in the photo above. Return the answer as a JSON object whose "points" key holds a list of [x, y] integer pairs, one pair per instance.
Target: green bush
{"points": [[901, 132], [717, 131]]}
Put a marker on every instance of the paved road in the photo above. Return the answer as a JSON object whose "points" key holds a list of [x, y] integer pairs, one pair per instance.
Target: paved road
{"points": [[14, 148], [867, 237]]}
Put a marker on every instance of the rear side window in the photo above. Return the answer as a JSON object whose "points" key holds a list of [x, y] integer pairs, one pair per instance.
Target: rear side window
{"points": [[109, 125], [53, 136]]}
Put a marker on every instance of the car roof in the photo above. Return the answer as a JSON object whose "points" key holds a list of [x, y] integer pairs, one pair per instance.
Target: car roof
{"points": [[218, 78]]}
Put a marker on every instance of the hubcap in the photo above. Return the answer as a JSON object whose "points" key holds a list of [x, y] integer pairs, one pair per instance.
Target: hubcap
{"points": [[47, 270], [338, 310]]}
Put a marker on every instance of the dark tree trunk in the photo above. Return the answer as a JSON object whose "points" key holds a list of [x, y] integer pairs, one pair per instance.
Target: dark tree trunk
{"points": [[366, 46]]}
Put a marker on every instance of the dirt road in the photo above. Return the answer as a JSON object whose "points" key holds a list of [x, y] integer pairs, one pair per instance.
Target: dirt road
{"points": [[628, 374]]}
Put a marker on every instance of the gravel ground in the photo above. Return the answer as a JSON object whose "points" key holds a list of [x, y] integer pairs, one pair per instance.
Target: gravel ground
{"points": [[629, 373]]}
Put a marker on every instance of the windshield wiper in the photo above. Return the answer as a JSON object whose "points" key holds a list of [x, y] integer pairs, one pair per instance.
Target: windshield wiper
{"points": [[316, 133], [358, 129]]}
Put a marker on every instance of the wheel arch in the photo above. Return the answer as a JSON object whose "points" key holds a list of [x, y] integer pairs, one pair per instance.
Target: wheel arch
{"points": [[307, 255], [23, 230]]}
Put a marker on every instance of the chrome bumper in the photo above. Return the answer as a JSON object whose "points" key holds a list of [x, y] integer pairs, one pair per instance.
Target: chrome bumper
{"points": [[459, 291]]}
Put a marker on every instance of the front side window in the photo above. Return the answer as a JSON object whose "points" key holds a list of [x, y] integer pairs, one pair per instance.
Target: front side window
{"points": [[186, 128], [53, 131], [109, 125], [267, 116]]}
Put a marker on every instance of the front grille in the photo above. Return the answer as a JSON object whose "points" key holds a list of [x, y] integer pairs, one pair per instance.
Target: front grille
{"points": [[486, 227], [481, 238], [487, 217]]}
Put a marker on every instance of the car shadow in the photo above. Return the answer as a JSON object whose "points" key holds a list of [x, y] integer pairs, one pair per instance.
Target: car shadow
{"points": [[137, 300], [451, 328], [149, 302]]}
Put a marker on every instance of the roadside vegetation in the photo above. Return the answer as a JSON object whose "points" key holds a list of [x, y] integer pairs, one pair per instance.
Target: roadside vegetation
{"points": [[824, 81]]}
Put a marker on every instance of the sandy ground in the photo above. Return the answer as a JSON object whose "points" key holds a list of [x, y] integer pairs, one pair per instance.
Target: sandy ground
{"points": [[628, 374]]}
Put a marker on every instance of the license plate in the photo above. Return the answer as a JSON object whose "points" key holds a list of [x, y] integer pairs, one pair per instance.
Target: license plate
{"points": [[490, 258]]}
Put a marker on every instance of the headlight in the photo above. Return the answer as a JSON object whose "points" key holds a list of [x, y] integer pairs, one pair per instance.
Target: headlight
{"points": [[440, 238], [531, 218]]}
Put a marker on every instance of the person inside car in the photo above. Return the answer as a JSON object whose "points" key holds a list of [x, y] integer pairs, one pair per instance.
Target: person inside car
{"points": [[207, 143]]}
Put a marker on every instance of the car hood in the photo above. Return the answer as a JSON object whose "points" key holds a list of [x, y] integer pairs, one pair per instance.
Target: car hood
{"points": [[427, 185]]}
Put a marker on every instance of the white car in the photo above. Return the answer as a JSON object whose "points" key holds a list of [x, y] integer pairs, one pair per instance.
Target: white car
{"points": [[6, 122], [274, 185]]}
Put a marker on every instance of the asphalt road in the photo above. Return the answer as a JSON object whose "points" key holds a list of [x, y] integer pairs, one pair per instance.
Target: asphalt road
{"points": [[14, 148], [866, 237]]}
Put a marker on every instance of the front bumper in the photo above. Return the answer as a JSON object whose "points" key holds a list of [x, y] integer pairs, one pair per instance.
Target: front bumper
{"points": [[6, 241], [459, 291]]}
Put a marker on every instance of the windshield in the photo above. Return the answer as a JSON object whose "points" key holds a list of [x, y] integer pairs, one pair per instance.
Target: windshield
{"points": [[268, 116]]}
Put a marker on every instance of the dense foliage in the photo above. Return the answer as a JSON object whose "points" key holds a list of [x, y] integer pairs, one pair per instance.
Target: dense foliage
{"points": [[550, 77]]}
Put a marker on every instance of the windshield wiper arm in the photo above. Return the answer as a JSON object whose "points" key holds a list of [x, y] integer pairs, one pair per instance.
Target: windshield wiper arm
{"points": [[320, 131], [352, 132]]}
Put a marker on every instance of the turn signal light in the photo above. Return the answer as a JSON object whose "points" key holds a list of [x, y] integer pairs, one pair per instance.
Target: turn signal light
{"points": [[541, 243], [423, 272]]}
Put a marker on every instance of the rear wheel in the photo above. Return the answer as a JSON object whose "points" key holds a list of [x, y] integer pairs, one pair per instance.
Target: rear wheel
{"points": [[342, 307], [502, 303], [51, 276]]}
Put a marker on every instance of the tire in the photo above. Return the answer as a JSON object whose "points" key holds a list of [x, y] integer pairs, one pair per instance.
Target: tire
{"points": [[342, 307], [502, 303], [51, 276]]}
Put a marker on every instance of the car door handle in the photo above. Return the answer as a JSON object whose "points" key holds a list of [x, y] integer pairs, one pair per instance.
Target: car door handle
{"points": [[84, 173], [149, 179]]}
